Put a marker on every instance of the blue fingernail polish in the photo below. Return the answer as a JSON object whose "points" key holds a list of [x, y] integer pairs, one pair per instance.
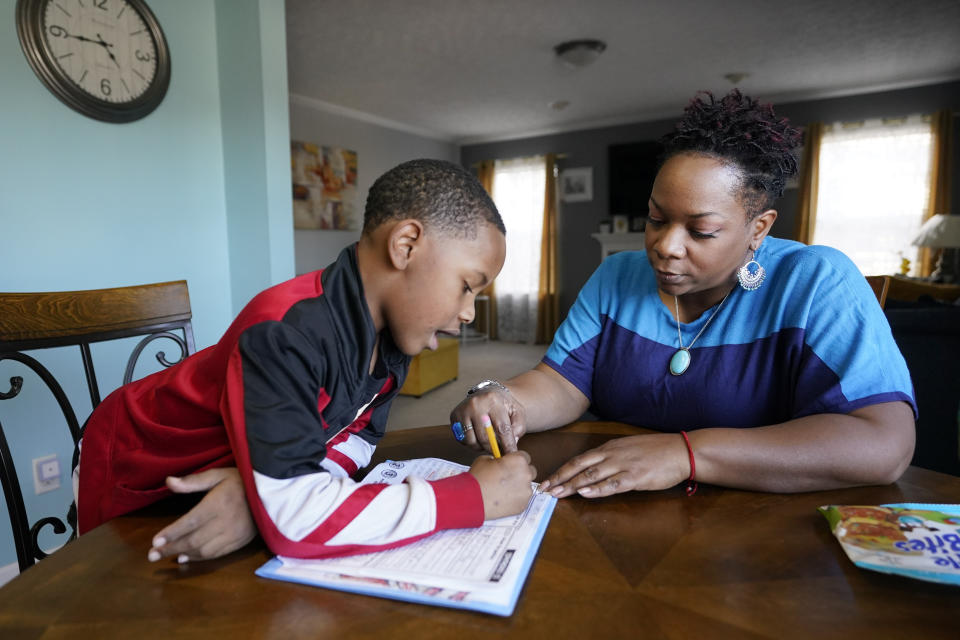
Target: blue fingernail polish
{"points": [[458, 431]]}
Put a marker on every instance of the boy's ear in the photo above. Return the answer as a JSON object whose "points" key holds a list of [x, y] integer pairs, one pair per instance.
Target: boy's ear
{"points": [[404, 240]]}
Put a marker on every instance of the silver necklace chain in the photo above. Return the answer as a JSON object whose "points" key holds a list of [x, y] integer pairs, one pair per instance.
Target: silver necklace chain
{"points": [[676, 303]]}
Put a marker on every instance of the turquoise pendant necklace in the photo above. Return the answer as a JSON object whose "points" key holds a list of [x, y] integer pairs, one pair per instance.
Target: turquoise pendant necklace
{"points": [[680, 361]]}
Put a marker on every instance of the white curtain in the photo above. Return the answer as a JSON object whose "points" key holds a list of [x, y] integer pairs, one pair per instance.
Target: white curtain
{"points": [[518, 188], [874, 186]]}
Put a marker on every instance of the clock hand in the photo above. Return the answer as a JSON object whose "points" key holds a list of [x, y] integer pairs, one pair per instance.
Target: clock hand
{"points": [[103, 43], [63, 33], [81, 38], [107, 46]]}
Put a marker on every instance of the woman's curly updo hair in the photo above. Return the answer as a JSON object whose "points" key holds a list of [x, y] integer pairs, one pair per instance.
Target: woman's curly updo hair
{"points": [[740, 131]]}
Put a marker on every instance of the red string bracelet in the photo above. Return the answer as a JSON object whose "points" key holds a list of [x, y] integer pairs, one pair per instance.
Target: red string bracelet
{"points": [[691, 482]]}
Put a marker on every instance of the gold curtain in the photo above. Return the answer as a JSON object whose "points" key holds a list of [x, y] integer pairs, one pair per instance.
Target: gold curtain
{"points": [[485, 176], [547, 302], [941, 168], [810, 183]]}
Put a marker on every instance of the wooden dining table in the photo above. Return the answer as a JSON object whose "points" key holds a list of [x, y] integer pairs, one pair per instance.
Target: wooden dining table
{"points": [[723, 563]]}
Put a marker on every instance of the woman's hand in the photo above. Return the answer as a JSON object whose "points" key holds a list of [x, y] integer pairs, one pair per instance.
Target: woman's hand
{"points": [[220, 523], [508, 416], [644, 462], [535, 400]]}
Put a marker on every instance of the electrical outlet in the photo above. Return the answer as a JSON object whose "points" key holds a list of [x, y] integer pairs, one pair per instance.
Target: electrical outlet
{"points": [[46, 474]]}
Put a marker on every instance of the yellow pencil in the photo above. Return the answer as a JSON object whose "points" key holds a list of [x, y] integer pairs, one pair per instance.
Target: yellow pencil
{"points": [[492, 437]]}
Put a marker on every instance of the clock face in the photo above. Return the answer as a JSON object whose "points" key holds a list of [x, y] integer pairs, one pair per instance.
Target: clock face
{"points": [[106, 58], [104, 46]]}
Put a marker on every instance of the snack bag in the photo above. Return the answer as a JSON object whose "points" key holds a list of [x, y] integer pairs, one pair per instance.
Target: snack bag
{"points": [[910, 539]]}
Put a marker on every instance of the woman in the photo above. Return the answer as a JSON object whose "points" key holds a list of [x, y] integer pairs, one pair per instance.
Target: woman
{"points": [[773, 355]]}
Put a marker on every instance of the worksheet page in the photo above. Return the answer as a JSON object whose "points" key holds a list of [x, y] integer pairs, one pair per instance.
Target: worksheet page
{"points": [[485, 558]]}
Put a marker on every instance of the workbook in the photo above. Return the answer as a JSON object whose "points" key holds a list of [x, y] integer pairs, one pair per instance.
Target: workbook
{"points": [[482, 569]]}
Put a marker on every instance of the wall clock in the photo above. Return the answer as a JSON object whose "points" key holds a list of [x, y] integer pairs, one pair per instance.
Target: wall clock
{"points": [[108, 59]]}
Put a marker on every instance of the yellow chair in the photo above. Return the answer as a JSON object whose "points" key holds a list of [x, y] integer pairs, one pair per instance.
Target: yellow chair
{"points": [[430, 369]]}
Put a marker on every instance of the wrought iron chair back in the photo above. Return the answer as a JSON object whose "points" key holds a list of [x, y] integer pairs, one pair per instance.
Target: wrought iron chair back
{"points": [[31, 321]]}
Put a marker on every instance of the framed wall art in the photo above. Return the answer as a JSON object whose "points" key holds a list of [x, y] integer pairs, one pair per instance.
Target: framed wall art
{"points": [[324, 187], [576, 185]]}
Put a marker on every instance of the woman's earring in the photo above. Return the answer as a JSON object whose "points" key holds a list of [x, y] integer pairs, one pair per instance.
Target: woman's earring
{"points": [[751, 279]]}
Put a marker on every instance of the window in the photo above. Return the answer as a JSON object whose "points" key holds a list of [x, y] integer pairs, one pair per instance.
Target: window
{"points": [[518, 190], [874, 185]]}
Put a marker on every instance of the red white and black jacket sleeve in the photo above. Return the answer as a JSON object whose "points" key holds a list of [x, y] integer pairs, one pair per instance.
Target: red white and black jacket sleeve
{"points": [[296, 467]]}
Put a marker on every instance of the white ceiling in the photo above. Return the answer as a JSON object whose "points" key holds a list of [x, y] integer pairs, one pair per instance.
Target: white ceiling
{"points": [[471, 71]]}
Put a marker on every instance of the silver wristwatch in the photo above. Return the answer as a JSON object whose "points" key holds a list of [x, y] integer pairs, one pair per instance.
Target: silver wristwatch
{"points": [[485, 385]]}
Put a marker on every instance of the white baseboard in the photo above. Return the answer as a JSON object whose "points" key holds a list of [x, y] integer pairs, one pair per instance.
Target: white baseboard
{"points": [[8, 573]]}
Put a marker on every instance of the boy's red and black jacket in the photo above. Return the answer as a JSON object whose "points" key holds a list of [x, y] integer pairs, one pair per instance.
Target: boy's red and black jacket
{"points": [[287, 396]]}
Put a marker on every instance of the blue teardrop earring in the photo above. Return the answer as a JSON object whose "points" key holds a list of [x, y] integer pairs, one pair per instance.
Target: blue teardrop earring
{"points": [[751, 278]]}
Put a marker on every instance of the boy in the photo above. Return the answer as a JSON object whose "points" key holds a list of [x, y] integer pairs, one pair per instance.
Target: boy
{"points": [[296, 393]]}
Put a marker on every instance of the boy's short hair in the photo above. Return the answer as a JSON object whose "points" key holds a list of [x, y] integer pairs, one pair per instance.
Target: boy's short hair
{"points": [[443, 195]]}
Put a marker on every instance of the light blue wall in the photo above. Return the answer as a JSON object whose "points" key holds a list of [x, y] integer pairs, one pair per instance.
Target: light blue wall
{"points": [[86, 204], [251, 45]]}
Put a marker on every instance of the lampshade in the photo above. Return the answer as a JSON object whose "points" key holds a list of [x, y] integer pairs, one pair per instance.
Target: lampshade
{"points": [[580, 53], [941, 231]]}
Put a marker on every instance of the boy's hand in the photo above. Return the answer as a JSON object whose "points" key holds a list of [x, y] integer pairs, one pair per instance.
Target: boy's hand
{"points": [[504, 483], [220, 523], [506, 414]]}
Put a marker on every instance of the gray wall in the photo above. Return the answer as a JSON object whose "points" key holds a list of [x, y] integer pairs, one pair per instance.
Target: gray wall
{"points": [[579, 254], [378, 148]]}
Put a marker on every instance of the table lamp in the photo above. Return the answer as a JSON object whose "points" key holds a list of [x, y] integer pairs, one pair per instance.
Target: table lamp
{"points": [[942, 231]]}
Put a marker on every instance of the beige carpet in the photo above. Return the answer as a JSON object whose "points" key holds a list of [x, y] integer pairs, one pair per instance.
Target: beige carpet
{"points": [[478, 360]]}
